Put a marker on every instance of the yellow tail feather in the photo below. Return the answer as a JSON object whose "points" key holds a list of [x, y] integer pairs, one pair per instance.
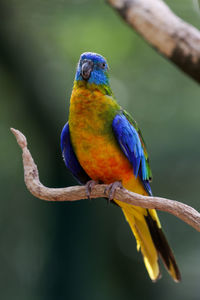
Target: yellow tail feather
{"points": [[135, 218], [150, 239]]}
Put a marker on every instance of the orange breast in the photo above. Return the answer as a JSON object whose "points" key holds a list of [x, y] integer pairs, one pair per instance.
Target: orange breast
{"points": [[102, 159]]}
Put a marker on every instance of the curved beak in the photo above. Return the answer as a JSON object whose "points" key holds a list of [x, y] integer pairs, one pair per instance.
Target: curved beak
{"points": [[86, 69]]}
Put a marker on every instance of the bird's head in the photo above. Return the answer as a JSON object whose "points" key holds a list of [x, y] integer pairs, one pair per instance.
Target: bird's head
{"points": [[93, 69]]}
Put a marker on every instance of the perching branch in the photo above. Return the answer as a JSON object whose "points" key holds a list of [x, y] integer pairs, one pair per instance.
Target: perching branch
{"points": [[177, 40], [31, 177]]}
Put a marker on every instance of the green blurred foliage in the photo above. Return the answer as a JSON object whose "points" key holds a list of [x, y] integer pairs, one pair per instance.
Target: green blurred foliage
{"points": [[85, 250]]}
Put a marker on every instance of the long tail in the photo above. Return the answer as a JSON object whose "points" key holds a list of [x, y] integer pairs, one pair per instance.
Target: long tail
{"points": [[151, 240]]}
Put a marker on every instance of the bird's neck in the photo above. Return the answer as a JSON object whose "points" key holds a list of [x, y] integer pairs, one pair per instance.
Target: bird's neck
{"points": [[105, 89]]}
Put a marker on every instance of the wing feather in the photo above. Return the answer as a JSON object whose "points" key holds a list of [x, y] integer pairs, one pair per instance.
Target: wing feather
{"points": [[70, 158], [132, 144]]}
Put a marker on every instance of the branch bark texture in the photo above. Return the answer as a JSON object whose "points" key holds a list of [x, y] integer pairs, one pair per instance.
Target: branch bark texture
{"points": [[160, 27], [31, 177]]}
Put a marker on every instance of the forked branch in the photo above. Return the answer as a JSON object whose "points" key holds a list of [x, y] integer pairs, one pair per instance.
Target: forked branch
{"points": [[31, 177]]}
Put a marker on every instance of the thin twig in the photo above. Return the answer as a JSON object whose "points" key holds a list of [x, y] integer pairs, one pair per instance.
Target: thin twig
{"points": [[177, 40], [31, 177]]}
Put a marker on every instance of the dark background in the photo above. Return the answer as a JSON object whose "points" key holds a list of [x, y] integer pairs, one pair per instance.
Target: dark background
{"points": [[85, 250]]}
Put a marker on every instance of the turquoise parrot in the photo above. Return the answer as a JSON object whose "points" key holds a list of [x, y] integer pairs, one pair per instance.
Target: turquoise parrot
{"points": [[103, 143]]}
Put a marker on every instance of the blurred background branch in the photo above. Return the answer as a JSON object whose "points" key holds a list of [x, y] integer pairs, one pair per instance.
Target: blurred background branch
{"points": [[177, 40]]}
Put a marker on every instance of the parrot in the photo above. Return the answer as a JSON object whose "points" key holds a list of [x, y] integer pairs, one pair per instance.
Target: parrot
{"points": [[102, 143]]}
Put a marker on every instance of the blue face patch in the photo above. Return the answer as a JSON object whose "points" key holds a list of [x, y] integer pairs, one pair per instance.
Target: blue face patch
{"points": [[99, 73]]}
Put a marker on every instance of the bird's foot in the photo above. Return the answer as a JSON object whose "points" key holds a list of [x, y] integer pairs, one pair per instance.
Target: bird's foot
{"points": [[111, 189], [89, 185]]}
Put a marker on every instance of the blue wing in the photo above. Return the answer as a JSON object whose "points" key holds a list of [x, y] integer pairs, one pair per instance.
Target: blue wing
{"points": [[130, 143], [70, 158]]}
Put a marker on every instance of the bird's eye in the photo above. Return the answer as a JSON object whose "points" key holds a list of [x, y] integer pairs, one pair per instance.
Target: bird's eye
{"points": [[103, 65]]}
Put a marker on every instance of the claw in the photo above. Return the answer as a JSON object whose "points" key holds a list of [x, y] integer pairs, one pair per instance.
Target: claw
{"points": [[111, 189], [89, 185]]}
